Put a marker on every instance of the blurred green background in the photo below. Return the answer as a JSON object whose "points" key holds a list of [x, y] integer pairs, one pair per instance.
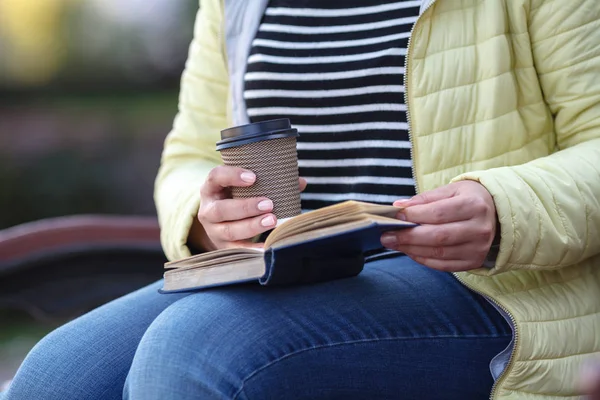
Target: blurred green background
{"points": [[88, 91]]}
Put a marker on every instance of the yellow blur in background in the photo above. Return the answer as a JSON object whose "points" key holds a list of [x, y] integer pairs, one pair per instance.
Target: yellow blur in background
{"points": [[31, 38], [88, 91]]}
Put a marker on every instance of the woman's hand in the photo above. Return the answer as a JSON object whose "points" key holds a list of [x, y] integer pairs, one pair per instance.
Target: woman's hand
{"points": [[224, 222], [458, 225], [589, 381]]}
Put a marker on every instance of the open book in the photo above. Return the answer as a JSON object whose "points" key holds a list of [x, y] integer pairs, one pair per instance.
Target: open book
{"points": [[324, 244]]}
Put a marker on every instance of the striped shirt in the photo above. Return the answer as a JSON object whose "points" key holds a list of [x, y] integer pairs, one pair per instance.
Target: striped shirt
{"points": [[336, 69]]}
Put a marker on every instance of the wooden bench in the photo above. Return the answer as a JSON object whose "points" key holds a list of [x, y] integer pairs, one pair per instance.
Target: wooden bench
{"points": [[59, 268]]}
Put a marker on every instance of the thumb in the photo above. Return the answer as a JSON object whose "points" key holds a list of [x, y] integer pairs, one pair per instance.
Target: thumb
{"points": [[431, 196], [302, 183]]}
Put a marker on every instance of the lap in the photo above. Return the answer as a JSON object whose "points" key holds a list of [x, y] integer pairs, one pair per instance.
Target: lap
{"points": [[393, 329], [396, 327]]}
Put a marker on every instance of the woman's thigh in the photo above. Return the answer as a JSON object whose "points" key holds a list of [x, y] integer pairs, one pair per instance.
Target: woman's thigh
{"points": [[399, 330], [89, 357]]}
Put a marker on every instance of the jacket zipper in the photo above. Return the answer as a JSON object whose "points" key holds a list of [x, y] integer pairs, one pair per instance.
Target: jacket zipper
{"points": [[406, 84], [414, 175], [515, 331]]}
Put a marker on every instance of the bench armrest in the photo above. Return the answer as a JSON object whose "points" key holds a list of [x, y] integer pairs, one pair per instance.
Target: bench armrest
{"points": [[62, 267]]}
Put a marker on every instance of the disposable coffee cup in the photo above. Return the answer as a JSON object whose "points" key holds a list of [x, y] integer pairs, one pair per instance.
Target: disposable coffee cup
{"points": [[268, 149]]}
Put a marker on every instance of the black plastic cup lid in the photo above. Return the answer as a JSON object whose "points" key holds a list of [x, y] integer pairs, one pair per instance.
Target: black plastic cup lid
{"points": [[259, 131]]}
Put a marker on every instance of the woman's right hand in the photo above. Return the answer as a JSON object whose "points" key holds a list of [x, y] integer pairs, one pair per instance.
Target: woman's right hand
{"points": [[227, 222]]}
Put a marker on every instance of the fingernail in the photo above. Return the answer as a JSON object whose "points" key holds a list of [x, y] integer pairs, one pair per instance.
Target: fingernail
{"points": [[401, 216], [265, 205], [268, 221], [389, 240], [248, 177], [401, 203]]}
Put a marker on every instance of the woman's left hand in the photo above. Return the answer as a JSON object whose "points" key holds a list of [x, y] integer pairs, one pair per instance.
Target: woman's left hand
{"points": [[457, 227]]}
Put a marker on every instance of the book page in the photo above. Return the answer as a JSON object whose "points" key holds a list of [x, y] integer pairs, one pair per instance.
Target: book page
{"points": [[341, 225], [336, 214], [216, 257], [230, 272]]}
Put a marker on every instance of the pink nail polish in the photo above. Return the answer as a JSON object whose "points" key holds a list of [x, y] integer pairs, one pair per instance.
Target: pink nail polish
{"points": [[248, 177], [265, 205], [268, 221], [401, 203], [389, 240]]}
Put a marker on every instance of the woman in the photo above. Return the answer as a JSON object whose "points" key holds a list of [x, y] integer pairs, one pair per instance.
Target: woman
{"points": [[503, 149]]}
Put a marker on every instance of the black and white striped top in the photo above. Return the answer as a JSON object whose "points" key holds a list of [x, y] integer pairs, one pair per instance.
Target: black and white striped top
{"points": [[336, 69]]}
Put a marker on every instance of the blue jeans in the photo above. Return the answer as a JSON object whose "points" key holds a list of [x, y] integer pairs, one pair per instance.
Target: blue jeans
{"points": [[397, 331]]}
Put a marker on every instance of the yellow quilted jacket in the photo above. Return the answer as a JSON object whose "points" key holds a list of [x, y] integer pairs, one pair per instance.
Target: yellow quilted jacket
{"points": [[504, 92]]}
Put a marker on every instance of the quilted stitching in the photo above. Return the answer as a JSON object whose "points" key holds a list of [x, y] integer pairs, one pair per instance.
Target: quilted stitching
{"points": [[523, 53], [554, 223]]}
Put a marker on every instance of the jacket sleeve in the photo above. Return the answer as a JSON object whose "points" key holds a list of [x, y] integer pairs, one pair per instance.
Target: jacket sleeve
{"points": [[549, 208], [189, 151]]}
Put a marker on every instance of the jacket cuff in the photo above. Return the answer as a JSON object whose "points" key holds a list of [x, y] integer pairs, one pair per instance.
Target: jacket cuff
{"points": [[175, 227], [497, 259], [492, 256]]}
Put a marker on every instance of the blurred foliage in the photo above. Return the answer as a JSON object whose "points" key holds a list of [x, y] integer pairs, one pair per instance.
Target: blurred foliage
{"points": [[82, 154], [25, 46], [31, 193], [68, 43], [19, 324], [88, 92]]}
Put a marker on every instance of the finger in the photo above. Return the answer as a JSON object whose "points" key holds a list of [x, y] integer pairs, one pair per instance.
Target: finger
{"points": [[446, 265], [243, 243], [590, 380], [453, 209], [443, 192], [302, 183], [244, 229], [234, 209], [459, 252], [225, 176], [451, 234]]}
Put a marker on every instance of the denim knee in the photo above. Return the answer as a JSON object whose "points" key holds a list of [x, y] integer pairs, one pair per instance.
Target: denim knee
{"points": [[38, 364], [60, 367], [203, 346]]}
